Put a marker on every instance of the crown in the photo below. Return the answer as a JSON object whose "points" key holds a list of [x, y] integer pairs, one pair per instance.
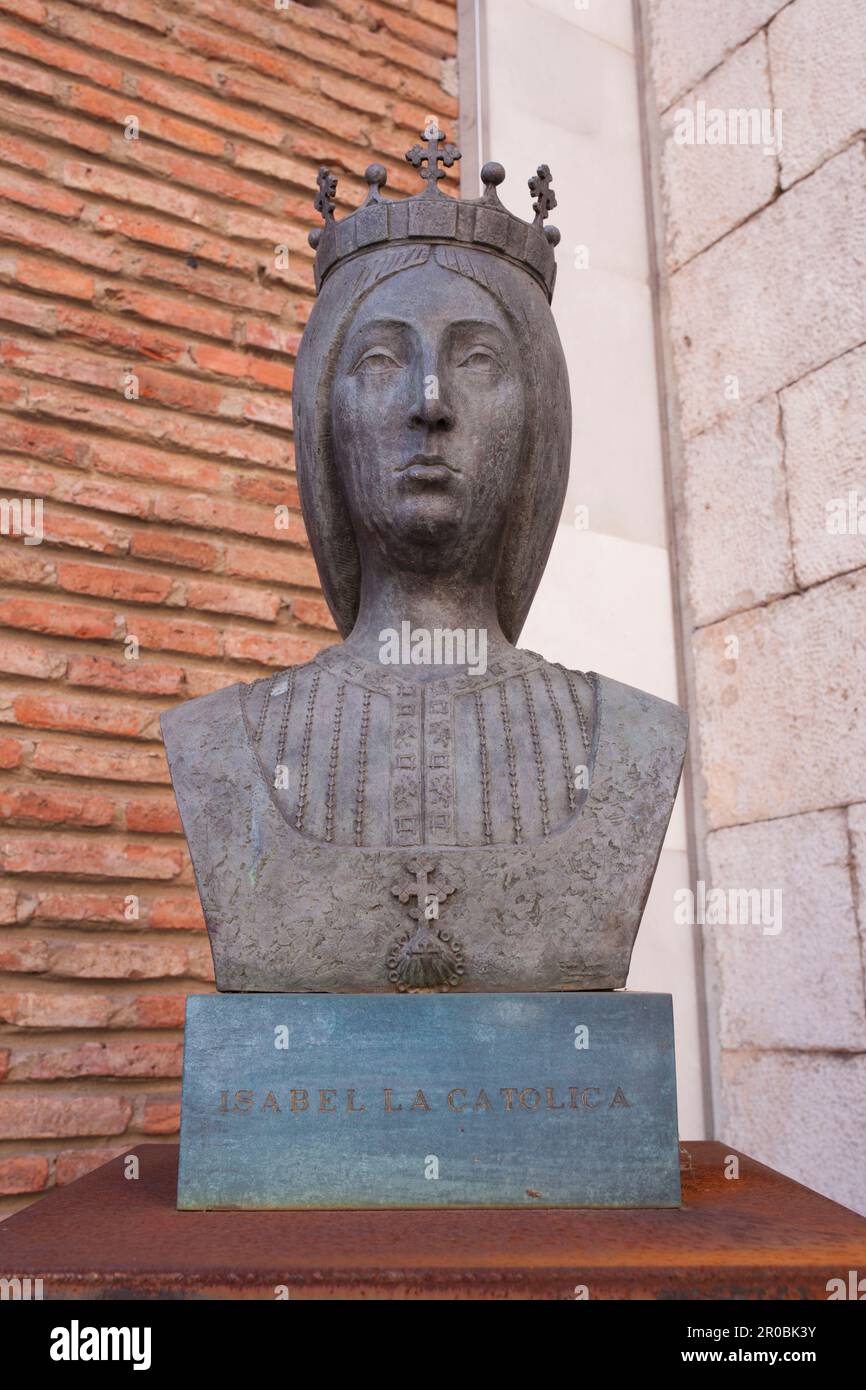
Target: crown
{"points": [[435, 217]]}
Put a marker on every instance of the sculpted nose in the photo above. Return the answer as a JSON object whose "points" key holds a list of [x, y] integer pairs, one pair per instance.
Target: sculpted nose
{"points": [[430, 410]]}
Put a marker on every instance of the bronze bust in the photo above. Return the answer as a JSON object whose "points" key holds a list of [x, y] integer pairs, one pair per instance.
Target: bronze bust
{"points": [[427, 806]]}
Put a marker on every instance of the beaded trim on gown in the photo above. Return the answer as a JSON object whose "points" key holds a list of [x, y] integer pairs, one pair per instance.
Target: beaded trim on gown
{"points": [[362, 756], [330, 808]]}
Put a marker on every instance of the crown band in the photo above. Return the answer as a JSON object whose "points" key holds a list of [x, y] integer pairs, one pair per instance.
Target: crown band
{"points": [[435, 218]]}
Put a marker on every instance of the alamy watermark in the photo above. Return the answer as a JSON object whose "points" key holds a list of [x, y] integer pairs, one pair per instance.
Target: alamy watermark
{"points": [[729, 907], [853, 1287], [846, 516], [738, 126], [77, 1343], [20, 1290], [437, 646], [22, 516]]}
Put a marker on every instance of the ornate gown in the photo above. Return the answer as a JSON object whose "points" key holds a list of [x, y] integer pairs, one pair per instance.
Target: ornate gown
{"points": [[352, 830]]}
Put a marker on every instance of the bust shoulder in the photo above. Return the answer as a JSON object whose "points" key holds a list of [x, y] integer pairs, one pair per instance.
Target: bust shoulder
{"points": [[203, 717], [637, 708], [633, 720], [640, 754], [227, 708]]}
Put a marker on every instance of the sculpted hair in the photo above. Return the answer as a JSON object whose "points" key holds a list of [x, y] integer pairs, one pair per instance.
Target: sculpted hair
{"points": [[537, 501]]}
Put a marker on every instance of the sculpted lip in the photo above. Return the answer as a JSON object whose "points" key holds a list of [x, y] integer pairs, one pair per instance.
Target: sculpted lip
{"points": [[427, 468]]}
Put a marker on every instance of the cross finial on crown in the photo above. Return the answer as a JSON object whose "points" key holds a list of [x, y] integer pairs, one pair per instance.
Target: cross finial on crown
{"points": [[432, 156], [324, 199], [545, 198]]}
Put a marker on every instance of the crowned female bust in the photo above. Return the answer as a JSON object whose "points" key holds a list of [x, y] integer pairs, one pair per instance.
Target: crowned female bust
{"points": [[426, 806]]}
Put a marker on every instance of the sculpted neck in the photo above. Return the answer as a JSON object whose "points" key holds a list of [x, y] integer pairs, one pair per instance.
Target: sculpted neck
{"points": [[426, 603]]}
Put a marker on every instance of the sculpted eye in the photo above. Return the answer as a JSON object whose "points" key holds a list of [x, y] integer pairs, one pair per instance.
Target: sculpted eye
{"points": [[479, 358], [377, 360]]}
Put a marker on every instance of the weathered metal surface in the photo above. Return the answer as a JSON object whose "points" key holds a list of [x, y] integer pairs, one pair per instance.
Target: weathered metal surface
{"points": [[760, 1236], [288, 911], [432, 429], [443, 262], [435, 1101]]}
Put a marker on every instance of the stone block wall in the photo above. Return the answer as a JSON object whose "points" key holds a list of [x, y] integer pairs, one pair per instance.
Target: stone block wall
{"points": [[762, 264]]}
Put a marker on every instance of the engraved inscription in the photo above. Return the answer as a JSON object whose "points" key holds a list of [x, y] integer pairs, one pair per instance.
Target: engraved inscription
{"points": [[459, 1100]]}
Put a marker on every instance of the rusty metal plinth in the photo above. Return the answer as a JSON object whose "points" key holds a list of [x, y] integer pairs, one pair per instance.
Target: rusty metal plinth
{"points": [[759, 1235]]}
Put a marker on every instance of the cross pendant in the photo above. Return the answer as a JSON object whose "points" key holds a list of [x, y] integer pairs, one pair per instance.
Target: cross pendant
{"points": [[428, 895]]}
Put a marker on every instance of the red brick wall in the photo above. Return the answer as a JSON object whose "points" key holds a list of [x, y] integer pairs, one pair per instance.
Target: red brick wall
{"points": [[148, 335]]}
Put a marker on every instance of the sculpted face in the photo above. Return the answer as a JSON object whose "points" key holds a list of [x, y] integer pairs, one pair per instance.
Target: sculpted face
{"points": [[428, 414]]}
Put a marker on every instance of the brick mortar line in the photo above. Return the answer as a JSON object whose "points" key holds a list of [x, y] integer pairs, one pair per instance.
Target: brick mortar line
{"points": [[210, 201], [98, 392], [242, 280], [245, 279], [294, 549], [120, 988], [382, 130], [117, 159], [112, 1084], [127, 243], [124, 934], [98, 434], [99, 308], [137, 67], [170, 570], [102, 932], [64, 884], [86, 786], [35, 687], [11, 685], [142, 565], [65, 151], [319, 33], [96, 834], [162, 609], [226, 665], [64, 1038]]}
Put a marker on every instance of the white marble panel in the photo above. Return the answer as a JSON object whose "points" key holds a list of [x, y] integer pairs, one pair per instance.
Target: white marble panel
{"points": [[667, 959]]}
